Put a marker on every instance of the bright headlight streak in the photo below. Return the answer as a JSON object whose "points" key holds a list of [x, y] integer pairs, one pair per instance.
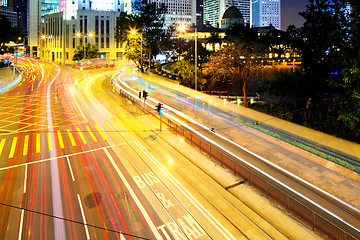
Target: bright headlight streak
{"points": [[244, 161]]}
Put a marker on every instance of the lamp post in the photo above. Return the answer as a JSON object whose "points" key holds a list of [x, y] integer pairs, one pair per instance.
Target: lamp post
{"points": [[134, 32], [183, 28]]}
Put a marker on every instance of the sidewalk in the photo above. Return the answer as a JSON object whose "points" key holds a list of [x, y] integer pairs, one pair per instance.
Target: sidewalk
{"points": [[7, 78]]}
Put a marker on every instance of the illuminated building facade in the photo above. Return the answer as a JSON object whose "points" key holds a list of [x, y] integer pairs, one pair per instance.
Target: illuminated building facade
{"points": [[215, 9], [55, 15], [179, 12], [266, 13]]}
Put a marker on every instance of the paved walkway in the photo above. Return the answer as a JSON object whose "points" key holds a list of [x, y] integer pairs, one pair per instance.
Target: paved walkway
{"points": [[7, 77]]}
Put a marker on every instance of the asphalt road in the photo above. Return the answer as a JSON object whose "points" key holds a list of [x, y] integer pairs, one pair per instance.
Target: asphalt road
{"points": [[79, 162]]}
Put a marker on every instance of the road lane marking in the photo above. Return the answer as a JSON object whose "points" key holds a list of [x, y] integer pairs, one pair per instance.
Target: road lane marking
{"points": [[225, 232], [21, 224], [26, 145], [64, 156], [91, 134], [49, 141], [81, 135], [134, 197], [2, 143], [61, 141], [72, 140], [25, 178], [37, 143], [13, 147], [70, 168], [84, 219], [101, 133]]}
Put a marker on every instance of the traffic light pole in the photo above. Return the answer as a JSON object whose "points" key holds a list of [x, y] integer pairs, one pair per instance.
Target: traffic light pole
{"points": [[160, 123]]}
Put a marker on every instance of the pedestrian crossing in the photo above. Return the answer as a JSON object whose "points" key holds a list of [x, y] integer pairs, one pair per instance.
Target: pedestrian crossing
{"points": [[28, 143]]}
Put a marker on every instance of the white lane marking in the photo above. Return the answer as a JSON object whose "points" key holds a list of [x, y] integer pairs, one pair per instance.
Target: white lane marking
{"points": [[83, 217], [59, 226], [226, 233], [55, 158], [25, 178], [21, 224], [70, 168], [134, 197]]}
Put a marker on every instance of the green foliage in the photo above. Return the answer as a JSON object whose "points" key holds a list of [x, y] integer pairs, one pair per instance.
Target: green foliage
{"points": [[326, 30], [185, 70], [90, 51], [349, 98]]}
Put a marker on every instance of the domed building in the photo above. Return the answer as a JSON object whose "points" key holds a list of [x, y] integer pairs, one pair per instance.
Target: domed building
{"points": [[231, 16]]}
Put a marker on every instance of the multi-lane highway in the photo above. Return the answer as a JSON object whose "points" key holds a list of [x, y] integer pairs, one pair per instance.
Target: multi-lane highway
{"points": [[79, 162]]}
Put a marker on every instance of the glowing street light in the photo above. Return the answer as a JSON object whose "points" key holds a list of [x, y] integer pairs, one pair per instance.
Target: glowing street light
{"points": [[182, 28], [134, 33]]}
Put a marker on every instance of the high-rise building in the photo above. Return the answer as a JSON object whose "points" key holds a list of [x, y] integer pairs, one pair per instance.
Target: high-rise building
{"points": [[179, 12], [215, 9], [10, 15], [199, 12], [266, 13]]}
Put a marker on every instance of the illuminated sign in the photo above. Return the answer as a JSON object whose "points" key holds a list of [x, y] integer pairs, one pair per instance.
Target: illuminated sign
{"points": [[102, 5], [63, 5]]}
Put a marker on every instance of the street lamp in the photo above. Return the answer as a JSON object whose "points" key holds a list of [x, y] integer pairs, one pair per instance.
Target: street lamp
{"points": [[183, 28], [134, 32]]}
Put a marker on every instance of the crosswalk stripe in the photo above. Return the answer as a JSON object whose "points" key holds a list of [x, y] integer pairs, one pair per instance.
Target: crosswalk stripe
{"points": [[13, 147], [2, 143], [26, 145], [37, 143], [101, 133], [91, 134], [49, 141], [61, 142], [81, 135], [72, 140]]}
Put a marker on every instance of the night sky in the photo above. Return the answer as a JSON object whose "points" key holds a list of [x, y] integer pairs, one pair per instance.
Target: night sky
{"points": [[290, 12]]}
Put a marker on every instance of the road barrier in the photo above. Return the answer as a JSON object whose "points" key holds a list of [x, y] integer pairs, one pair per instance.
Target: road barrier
{"points": [[265, 186]]}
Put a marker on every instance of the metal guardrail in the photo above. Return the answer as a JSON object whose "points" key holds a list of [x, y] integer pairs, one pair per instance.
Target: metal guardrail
{"points": [[311, 218]]}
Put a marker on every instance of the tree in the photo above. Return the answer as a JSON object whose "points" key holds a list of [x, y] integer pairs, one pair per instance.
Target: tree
{"points": [[185, 70], [148, 21], [326, 30], [234, 62], [133, 49], [90, 51]]}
